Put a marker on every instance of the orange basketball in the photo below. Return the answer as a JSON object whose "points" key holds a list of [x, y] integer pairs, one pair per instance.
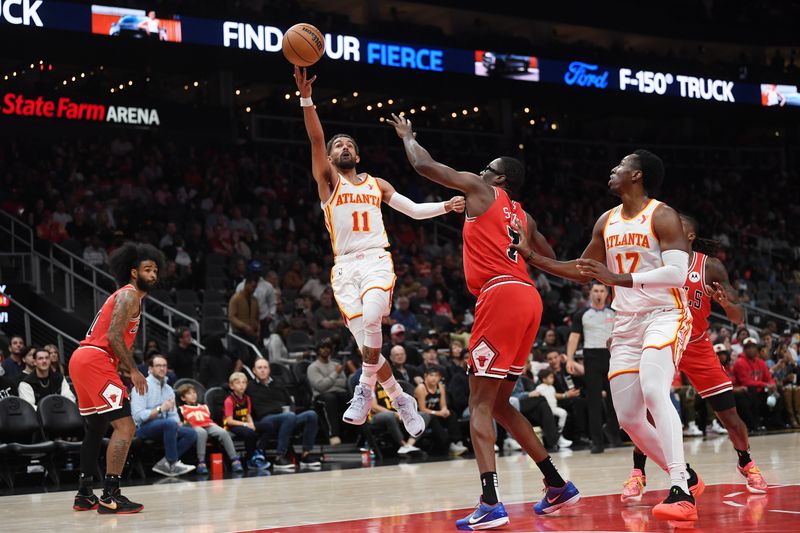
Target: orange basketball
{"points": [[303, 45]]}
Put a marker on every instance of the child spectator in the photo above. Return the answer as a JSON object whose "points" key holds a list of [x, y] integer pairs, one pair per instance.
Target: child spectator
{"points": [[239, 421], [546, 389], [432, 400], [199, 417]]}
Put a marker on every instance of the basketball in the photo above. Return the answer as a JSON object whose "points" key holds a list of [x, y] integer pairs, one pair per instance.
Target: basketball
{"points": [[303, 45]]}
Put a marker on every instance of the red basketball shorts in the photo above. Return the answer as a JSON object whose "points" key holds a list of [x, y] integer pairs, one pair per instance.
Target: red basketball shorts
{"points": [[507, 317], [703, 368], [96, 381]]}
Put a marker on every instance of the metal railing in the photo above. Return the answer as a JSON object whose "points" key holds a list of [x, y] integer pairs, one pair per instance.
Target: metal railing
{"points": [[40, 332], [81, 288]]}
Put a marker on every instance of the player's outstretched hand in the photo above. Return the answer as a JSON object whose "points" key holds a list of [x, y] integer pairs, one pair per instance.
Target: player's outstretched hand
{"points": [[456, 203], [402, 126], [597, 270], [302, 81], [520, 244], [718, 293], [139, 381]]}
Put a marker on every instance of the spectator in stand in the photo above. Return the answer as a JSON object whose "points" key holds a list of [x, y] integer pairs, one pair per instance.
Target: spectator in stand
{"points": [[28, 361], [568, 394], [546, 389], [95, 253], [535, 408], [60, 215], [43, 381], [55, 358], [314, 285], [50, 230], [214, 365], [441, 307], [302, 317], [328, 383], [753, 381], [383, 415], [276, 344], [273, 406], [399, 369], [403, 316], [552, 341], [420, 304], [238, 413], [199, 418], [243, 318], [430, 359], [80, 229], [398, 338], [13, 364], [156, 418], [264, 295], [454, 360], [8, 386], [242, 225], [181, 357], [293, 279], [432, 401], [785, 372], [328, 319]]}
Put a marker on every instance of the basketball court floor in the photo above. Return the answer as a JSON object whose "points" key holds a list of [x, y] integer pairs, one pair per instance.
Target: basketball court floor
{"points": [[428, 497]]}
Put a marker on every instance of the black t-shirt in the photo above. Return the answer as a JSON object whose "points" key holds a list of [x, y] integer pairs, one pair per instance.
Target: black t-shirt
{"points": [[181, 360], [409, 373], [44, 387], [433, 400], [267, 399], [8, 387]]}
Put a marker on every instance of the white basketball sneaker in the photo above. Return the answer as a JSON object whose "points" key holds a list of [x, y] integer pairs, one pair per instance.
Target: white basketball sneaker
{"points": [[407, 407], [360, 404]]}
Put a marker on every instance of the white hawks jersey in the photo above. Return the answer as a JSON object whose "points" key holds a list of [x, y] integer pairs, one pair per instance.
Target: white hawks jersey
{"points": [[632, 246], [353, 217]]}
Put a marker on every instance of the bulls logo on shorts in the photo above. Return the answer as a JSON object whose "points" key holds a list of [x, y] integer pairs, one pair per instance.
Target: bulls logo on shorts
{"points": [[482, 356], [694, 277], [113, 395]]}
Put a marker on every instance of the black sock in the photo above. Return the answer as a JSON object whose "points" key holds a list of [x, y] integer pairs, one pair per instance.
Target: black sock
{"points": [[744, 457], [111, 484], [551, 475], [85, 484], [639, 459], [489, 485]]}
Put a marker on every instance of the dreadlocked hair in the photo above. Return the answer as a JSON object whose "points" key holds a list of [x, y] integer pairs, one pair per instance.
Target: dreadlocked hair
{"points": [[129, 256], [709, 247]]}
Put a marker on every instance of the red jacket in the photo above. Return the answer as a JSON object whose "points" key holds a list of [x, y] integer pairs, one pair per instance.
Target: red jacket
{"points": [[753, 373]]}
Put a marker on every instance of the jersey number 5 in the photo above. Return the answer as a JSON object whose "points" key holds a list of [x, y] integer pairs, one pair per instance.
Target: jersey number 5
{"points": [[632, 260], [514, 236], [364, 218], [696, 300]]}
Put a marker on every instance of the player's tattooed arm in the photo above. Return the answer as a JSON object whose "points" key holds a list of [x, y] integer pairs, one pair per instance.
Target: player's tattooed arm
{"points": [[126, 307], [721, 290]]}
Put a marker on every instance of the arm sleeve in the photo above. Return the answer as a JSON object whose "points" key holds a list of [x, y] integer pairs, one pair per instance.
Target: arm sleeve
{"points": [[25, 392], [671, 275], [416, 211]]}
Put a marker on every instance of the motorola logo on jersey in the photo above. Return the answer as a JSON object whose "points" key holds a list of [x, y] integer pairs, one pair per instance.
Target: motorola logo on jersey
{"points": [[269, 38], [694, 277], [21, 12]]}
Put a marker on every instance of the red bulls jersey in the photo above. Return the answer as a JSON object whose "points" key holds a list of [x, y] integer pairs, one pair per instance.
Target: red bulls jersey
{"points": [[97, 336], [697, 294], [487, 243]]}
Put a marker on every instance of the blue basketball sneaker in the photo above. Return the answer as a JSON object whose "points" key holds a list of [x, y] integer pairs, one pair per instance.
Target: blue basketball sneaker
{"points": [[484, 517], [556, 498]]}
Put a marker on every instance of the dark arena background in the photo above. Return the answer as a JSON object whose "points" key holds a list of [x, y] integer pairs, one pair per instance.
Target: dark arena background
{"points": [[179, 124]]}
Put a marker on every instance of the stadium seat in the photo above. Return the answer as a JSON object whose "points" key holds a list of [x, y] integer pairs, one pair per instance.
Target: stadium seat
{"points": [[214, 399], [299, 341], [214, 310], [20, 430], [186, 296], [199, 387], [61, 420], [211, 296]]}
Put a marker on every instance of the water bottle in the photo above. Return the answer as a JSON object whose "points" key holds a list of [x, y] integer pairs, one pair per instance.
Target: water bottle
{"points": [[371, 457], [365, 456]]}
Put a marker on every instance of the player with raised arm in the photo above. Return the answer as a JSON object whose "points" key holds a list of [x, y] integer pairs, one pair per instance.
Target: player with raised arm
{"points": [[707, 280], [363, 275], [639, 247], [507, 317], [93, 367]]}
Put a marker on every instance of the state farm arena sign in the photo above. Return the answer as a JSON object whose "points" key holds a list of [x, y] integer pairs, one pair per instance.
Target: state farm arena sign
{"points": [[64, 107]]}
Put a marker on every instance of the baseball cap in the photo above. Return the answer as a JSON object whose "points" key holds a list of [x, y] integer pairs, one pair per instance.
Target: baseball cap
{"points": [[718, 348], [750, 340], [398, 328], [434, 369], [255, 266]]}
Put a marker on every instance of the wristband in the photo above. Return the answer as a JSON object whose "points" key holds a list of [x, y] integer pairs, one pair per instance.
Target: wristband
{"points": [[306, 101]]}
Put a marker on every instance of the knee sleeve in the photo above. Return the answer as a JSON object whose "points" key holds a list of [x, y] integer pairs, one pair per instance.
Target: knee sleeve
{"points": [[375, 305], [356, 327]]}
